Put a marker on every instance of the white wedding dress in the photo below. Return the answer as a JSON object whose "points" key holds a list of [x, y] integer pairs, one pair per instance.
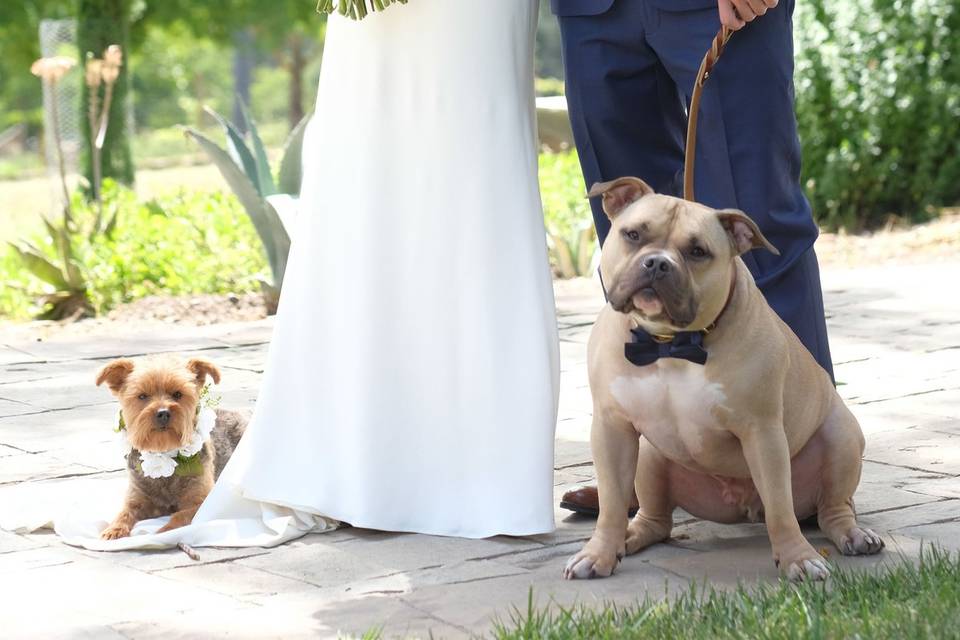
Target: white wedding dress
{"points": [[412, 379]]}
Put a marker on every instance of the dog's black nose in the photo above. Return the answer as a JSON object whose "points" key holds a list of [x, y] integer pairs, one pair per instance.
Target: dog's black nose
{"points": [[658, 264], [163, 416]]}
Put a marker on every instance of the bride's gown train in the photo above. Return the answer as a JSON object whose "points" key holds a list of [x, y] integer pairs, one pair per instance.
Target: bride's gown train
{"points": [[412, 378]]}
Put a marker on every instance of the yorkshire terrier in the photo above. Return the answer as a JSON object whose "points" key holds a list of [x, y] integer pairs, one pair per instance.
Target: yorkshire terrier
{"points": [[178, 441]]}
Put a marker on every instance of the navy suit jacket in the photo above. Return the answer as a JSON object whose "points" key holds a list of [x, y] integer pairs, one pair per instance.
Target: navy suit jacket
{"points": [[596, 7]]}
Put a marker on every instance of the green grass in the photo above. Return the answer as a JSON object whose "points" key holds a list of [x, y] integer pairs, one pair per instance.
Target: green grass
{"points": [[907, 601]]}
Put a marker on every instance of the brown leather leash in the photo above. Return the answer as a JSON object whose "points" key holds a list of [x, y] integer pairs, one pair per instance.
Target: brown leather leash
{"points": [[709, 60]]}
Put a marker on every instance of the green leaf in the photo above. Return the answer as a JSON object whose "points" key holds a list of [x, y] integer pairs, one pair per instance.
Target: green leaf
{"points": [[281, 243], [286, 207], [112, 224], [238, 150], [187, 467], [265, 220], [587, 242], [267, 188], [40, 266], [65, 247], [291, 164]]}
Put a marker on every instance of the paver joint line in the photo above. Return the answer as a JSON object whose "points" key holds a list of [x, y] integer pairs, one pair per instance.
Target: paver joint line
{"points": [[906, 395], [432, 616], [942, 474]]}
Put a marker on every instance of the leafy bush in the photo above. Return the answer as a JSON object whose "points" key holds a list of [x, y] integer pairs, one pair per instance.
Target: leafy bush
{"points": [[878, 106], [571, 237], [175, 245]]}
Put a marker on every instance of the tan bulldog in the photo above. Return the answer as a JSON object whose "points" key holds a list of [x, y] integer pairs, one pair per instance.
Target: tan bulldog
{"points": [[757, 431]]}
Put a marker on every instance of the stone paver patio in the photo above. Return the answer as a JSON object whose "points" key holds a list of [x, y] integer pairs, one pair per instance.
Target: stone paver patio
{"points": [[896, 340]]}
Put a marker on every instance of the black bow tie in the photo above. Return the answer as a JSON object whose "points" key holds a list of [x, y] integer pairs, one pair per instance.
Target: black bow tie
{"points": [[644, 349]]}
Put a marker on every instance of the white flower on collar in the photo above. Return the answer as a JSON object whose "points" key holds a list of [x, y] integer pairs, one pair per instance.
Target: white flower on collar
{"points": [[158, 465], [205, 422]]}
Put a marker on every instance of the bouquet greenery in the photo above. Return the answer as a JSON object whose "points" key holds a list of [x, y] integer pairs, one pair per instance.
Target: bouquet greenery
{"points": [[356, 9]]}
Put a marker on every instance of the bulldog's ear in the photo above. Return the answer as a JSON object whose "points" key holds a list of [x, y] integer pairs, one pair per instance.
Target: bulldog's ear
{"points": [[619, 193], [743, 232], [115, 374], [202, 368]]}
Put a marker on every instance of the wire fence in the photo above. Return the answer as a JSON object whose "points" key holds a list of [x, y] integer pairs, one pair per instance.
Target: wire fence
{"points": [[61, 107]]}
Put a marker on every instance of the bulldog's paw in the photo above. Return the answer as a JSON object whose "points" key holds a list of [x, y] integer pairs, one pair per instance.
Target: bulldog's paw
{"points": [[860, 542], [803, 563], [115, 531], [593, 561], [641, 535]]}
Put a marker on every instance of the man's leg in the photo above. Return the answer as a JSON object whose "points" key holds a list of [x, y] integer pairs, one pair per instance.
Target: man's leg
{"points": [[748, 152], [628, 119], [627, 115]]}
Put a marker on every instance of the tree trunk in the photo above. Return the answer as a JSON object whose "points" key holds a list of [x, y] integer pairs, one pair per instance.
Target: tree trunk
{"points": [[100, 24], [243, 63], [298, 61]]}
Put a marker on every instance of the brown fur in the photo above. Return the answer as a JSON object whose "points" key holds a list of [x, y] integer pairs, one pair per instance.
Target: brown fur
{"points": [[167, 384]]}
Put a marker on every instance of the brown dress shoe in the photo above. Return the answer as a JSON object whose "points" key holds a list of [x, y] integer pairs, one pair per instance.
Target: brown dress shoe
{"points": [[585, 501]]}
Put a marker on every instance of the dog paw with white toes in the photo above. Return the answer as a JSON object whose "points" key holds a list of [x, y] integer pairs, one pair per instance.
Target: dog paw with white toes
{"points": [[859, 542], [586, 565], [815, 569]]}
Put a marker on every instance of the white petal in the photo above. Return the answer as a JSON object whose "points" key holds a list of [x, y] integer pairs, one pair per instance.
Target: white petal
{"points": [[196, 443], [157, 465], [206, 421], [120, 440]]}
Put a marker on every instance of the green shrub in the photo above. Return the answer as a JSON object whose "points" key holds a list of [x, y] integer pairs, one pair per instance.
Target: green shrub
{"points": [[570, 233], [549, 86], [878, 106], [175, 245]]}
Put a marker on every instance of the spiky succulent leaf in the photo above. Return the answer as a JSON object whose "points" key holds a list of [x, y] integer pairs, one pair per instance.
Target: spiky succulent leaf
{"points": [[35, 262], [291, 163], [264, 177], [65, 250], [238, 151], [281, 241], [588, 243], [286, 207], [276, 242]]}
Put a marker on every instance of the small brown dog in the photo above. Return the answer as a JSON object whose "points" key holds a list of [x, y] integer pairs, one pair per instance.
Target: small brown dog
{"points": [[178, 446]]}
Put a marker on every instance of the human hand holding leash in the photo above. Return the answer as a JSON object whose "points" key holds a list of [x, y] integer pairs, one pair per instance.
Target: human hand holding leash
{"points": [[735, 14]]}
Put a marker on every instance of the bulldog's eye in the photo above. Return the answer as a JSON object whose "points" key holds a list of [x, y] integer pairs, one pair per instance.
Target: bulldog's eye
{"points": [[698, 252], [142, 396], [632, 235], [177, 395]]}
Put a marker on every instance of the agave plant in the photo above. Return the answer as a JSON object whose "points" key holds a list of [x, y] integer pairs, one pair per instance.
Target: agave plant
{"points": [[572, 252], [270, 204], [570, 233], [70, 298]]}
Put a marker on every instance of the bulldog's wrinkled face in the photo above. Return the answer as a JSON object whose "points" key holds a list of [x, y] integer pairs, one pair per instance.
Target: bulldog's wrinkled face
{"points": [[667, 259]]}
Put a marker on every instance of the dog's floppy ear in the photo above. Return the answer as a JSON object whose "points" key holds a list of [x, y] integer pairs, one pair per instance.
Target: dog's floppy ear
{"points": [[115, 374], [619, 193], [202, 368], [743, 232]]}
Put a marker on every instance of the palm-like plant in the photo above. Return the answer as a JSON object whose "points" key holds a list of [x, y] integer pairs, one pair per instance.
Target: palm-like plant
{"points": [[270, 204], [69, 298]]}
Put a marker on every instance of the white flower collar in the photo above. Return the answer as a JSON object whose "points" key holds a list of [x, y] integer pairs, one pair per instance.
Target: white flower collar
{"points": [[184, 461]]}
